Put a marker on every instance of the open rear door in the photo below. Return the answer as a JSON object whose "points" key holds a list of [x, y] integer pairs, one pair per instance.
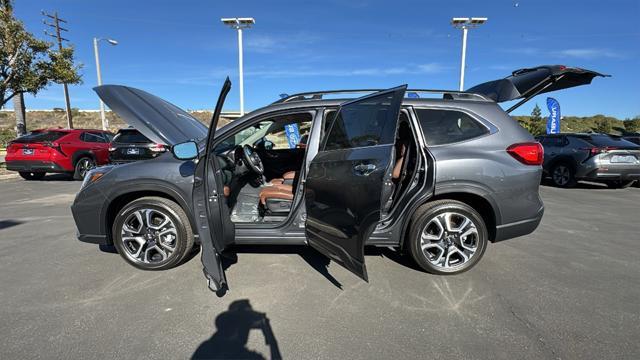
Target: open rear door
{"points": [[212, 218], [346, 179], [526, 83]]}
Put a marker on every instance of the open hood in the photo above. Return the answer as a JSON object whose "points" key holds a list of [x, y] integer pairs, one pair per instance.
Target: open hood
{"points": [[527, 83], [157, 119]]}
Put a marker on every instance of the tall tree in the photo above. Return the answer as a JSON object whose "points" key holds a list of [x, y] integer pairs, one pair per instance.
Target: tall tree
{"points": [[28, 65]]}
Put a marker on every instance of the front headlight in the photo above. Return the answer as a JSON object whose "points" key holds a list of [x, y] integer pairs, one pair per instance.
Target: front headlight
{"points": [[95, 174]]}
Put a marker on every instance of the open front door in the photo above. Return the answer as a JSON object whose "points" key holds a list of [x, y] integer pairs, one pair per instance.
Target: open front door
{"points": [[346, 179], [212, 218]]}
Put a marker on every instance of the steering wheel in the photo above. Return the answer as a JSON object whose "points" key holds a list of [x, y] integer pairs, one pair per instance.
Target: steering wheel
{"points": [[252, 160]]}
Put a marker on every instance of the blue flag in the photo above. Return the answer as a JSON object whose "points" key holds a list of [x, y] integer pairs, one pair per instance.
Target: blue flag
{"points": [[293, 135], [553, 123]]}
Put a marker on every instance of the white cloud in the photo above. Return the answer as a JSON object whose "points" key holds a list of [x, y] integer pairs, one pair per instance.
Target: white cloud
{"points": [[589, 53]]}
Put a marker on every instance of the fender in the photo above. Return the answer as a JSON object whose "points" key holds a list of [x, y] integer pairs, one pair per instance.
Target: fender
{"points": [[82, 153], [148, 185], [469, 187]]}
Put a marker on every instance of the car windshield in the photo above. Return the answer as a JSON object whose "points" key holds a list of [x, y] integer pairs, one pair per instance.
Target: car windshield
{"points": [[41, 136], [130, 137]]}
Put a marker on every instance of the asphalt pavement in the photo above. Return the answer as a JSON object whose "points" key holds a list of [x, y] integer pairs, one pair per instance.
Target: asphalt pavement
{"points": [[570, 290]]}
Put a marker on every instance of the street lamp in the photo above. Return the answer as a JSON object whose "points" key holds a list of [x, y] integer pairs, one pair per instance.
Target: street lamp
{"points": [[105, 123], [239, 24], [465, 24]]}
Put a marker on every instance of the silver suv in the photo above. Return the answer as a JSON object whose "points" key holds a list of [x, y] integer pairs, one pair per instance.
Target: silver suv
{"points": [[439, 177], [602, 158]]}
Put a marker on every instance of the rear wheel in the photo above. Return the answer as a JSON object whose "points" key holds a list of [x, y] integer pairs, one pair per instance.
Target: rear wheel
{"points": [[619, 184], [83, 165], [447, 237], [562, 175], [152, 233], [31, 175]]}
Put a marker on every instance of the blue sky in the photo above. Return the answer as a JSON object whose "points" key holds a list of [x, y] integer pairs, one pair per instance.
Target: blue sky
{"points": [[180, 51]]}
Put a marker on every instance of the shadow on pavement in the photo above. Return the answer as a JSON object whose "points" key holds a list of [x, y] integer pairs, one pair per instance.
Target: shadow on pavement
{"points": [[9, 223], [57, 177], [232, 332]]}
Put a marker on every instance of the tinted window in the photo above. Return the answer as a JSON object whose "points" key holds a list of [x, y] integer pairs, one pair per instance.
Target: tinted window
{"points": [[93, 137], [553, 141], [41, 136], [130, 137], [448, 126], [606, 140], [367, 122]]}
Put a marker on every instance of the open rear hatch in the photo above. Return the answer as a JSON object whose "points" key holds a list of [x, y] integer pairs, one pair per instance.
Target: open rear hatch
{"points": [[526, 83]]}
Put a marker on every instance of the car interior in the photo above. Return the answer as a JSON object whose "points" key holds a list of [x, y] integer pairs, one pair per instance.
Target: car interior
{"points": [[261, 166]]}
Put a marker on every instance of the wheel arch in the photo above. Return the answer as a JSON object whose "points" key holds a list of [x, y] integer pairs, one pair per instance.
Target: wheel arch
{"points": [[135, 192], [80, 154], [480, 202]]}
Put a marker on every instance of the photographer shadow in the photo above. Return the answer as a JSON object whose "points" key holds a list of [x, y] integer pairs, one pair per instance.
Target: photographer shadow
{"points": [[233, 328]]}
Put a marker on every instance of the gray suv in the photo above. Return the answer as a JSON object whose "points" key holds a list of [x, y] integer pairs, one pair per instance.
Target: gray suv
{"points": [[436, 177], [602, 158]]}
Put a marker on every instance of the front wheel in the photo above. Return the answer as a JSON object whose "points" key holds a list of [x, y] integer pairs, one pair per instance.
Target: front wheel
{"points": [[152, 233], [447, 237]]}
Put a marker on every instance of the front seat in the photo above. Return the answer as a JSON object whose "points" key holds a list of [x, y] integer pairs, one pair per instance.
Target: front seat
{"points": [[287, 178], [277, 199]]}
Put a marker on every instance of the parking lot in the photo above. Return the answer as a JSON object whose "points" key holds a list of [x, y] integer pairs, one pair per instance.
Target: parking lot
{"points": [[570, 290]]}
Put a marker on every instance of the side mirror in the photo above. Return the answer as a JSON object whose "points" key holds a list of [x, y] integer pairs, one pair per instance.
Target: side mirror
{"points": [[185, 151]]}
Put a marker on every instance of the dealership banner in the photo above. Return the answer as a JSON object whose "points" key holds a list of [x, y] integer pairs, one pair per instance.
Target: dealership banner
{"points": [[293, 135], [553, 123]]}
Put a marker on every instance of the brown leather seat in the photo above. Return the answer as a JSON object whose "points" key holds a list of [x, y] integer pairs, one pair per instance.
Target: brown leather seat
{"points": [[397, 169], [286, 178], [280, 192]]}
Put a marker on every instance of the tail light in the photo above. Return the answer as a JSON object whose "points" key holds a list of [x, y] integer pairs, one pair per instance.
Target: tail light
{"points": [[158, 148], [593, 151], [530, 153], [56, 147], [111, 149]]}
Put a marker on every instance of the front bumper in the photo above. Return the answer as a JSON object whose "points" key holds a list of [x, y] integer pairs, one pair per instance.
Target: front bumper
{"points": [[34, 166], [90, 219], [518, 228]]}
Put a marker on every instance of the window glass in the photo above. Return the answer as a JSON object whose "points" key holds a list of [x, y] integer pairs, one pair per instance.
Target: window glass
{"points": [[93, 137], [130, 137], [606, 140], [368, 122], [448, 126], [41, 136]]}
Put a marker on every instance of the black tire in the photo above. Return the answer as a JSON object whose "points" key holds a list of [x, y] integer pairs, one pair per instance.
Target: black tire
{"points": [[422, 218], [83, 165], [563, 175], [32, 175], [619, 184], [184, 234]]}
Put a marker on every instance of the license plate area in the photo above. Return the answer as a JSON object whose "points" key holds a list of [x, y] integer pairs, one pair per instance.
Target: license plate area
{"points": [[623, 159], [27, 151], [133, 151]]}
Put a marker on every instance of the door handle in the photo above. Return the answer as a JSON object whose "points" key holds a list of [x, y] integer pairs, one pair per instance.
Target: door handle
{"points": [[364, 169]]}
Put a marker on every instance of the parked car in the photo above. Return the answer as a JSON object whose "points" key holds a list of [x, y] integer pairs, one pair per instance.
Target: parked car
{"points": [[72, 151], [601, 158], [438, 177], [130, 145], [633, 138]]}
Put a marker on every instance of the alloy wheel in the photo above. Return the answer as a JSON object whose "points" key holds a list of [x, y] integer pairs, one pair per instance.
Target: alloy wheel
{"points": [[449, 240], [84, 165], [149, 236], [561, 175]]}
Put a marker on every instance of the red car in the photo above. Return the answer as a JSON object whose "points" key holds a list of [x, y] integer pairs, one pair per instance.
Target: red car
{"points": [[58, 151]]}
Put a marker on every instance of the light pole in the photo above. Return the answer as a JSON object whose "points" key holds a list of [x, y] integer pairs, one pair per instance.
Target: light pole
{"points": [[239, 24], [105, 123], [465, 24]]}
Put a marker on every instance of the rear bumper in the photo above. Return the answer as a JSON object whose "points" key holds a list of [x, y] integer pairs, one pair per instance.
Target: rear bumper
{"points": [[518, 228], [613, 173], [34, 166]]}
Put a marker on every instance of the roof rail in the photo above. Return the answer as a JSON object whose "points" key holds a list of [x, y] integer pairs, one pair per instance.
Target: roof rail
{"points": [[319, 95]]}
